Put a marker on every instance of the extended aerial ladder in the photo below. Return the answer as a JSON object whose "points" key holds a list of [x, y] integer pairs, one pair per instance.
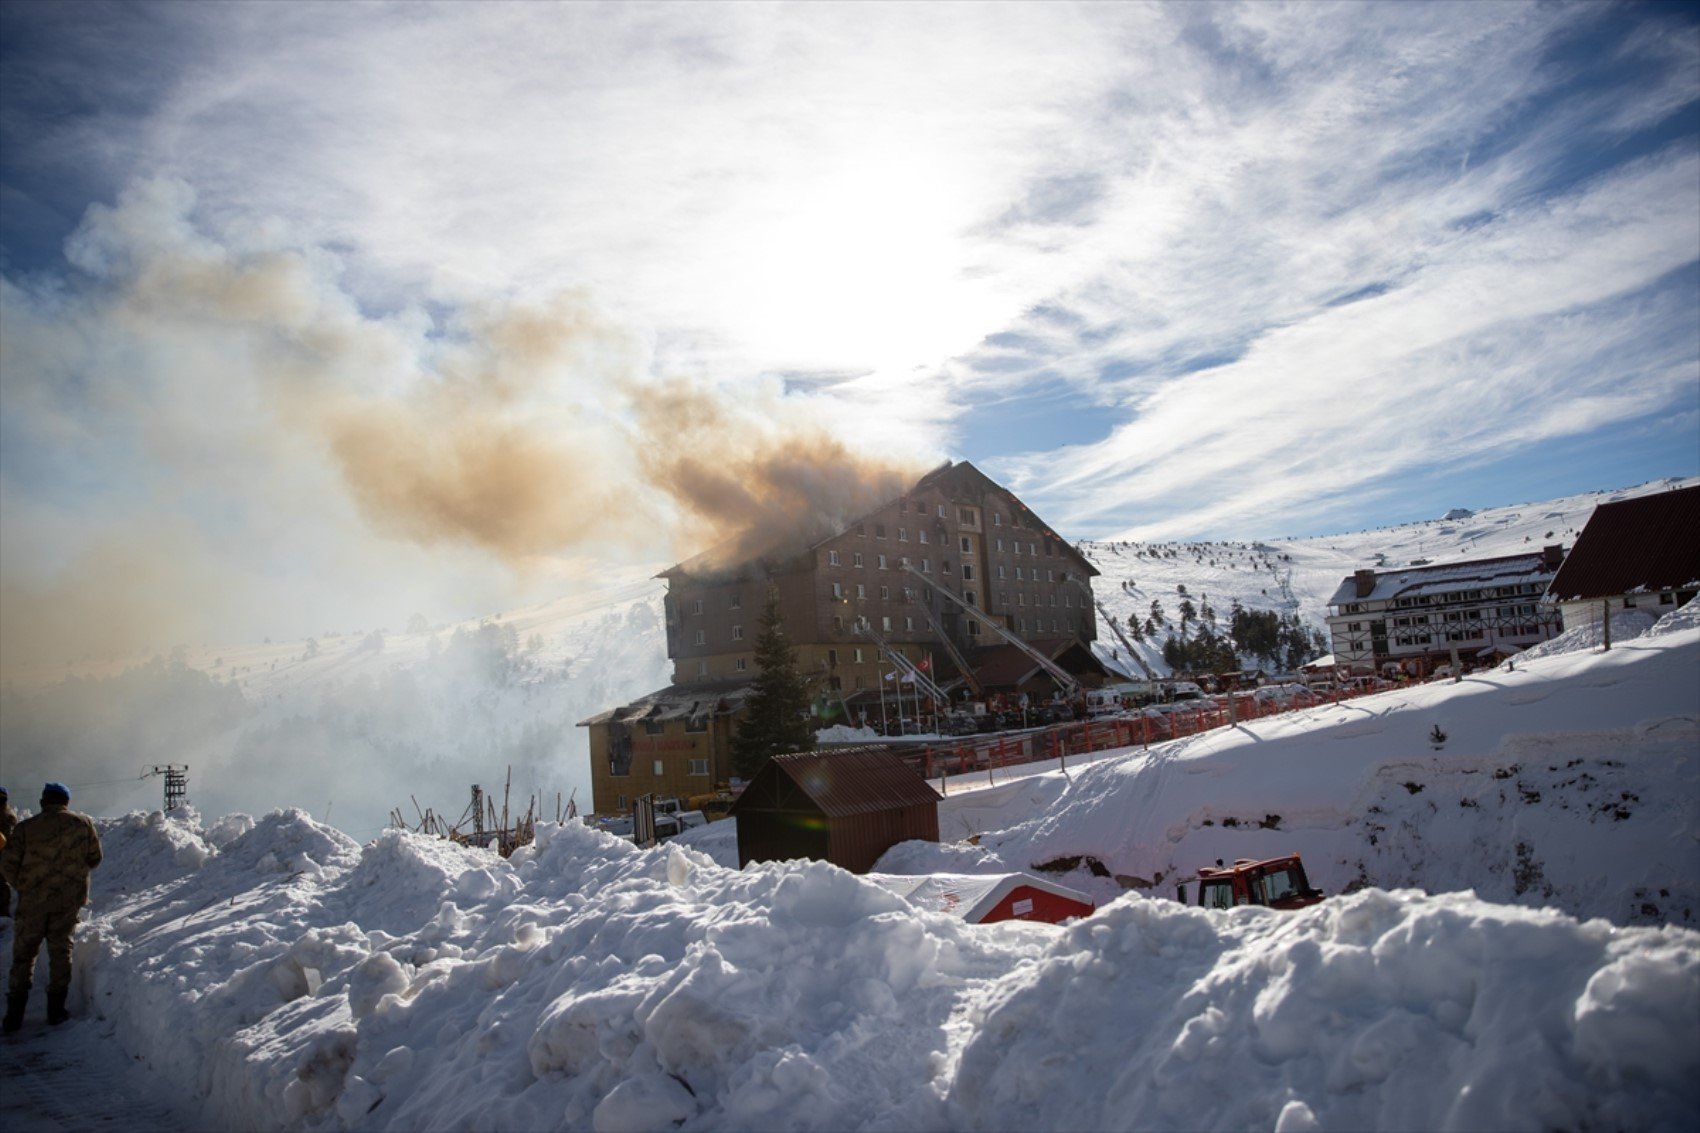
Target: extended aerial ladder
{"points": [[910, 671], [1065, 680], [1122, 637], [956, 656]]}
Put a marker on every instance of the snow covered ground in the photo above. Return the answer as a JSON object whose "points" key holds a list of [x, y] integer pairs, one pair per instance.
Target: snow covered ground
{"points": [[285, 976]]}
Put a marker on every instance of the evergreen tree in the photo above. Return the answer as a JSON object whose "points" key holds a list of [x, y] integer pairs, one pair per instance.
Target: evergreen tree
{"points": [[777, 718]]}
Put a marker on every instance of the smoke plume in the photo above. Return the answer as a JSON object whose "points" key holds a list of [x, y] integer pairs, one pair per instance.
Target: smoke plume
{"points": [[324, 459]]}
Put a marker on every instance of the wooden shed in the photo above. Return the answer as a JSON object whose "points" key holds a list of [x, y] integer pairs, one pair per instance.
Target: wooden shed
{"points": [[846, 807], [986, 898]]}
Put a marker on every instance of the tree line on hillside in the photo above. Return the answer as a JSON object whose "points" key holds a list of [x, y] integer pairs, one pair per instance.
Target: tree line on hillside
{"points": [[1197, 643]]}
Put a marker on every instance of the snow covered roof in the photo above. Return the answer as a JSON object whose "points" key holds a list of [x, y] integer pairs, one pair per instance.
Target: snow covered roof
{"points": [[1412, 582], [967, 896], [1639, 545]]}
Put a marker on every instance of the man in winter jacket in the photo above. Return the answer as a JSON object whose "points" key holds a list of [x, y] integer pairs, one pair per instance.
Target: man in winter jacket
{"points": [[47, 859], [8, 819]]}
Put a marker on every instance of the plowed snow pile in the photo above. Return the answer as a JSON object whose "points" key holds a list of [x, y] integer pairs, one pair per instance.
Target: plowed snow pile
{"points": [[287, 977]]}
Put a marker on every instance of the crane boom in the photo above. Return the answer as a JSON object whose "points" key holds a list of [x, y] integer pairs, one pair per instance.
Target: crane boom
{"points": [[1064, 679]]}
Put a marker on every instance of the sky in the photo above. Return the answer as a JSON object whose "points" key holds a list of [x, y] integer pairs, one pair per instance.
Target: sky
{"points": [[328, 314]]}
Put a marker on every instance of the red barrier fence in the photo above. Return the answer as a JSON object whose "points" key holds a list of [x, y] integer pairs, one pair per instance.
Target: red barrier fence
{"points": [[1059, 741]]}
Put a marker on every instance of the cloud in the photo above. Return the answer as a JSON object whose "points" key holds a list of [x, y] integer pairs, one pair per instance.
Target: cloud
{"points": [[500, 280]]}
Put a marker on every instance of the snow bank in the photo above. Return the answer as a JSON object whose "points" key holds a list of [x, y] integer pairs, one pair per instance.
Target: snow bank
{"points": [[1378, 1010], [586, 984], [288, 977]]}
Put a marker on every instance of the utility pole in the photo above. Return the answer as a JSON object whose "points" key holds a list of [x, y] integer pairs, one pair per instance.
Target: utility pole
{"points": [[176, 783]]}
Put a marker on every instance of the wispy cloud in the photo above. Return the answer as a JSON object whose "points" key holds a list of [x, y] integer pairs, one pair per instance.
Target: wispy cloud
{"points": [[1272, 252]]}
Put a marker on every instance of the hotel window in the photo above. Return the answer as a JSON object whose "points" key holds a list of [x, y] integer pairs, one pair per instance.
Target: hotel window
{"points": [[697, 767], [885, 624], [856, 559], [944, 565], [1021, 625], [861, 590], [921, 534], [696, 606], [997, 519], [967, 572], [966, 515], [967, 545], [737, 633], [858, 654], [832, 558], [903, 535], [1033, 549], [660, 768], [832, 656], [702, 668], [1018, 572], [837, 590], [973, 629], [879, 531], [885, 594], [909, 623], [968, 596], [926, 566], [739, 665], [1000, 571], [838, 623], [1000, 544], [735, 602], [882, 562], [700, 638]]}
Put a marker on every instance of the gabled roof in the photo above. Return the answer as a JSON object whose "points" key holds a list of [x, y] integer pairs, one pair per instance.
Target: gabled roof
{"points": [[969, 897], [1005, 666], [841, 783], [1640, 545], [1473, 574], [795, 554]]}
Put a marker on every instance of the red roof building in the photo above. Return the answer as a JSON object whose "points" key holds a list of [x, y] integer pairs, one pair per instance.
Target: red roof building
{"points": [[1641, 553], [988, 898]]}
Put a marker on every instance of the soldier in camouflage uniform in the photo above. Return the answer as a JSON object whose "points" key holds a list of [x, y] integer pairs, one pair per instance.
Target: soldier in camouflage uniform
{"points": [[8, 819], [47, 859]]}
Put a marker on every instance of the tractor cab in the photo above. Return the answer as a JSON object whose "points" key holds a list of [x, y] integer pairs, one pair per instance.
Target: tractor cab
{"points": [[1278, 883]]}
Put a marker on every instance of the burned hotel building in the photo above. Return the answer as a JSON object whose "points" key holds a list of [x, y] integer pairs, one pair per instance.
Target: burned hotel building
{"points": [[877, 583]]}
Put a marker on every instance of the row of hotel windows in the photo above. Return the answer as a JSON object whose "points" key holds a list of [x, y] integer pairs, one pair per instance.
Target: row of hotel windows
{"points": [[621, 769], [1456, 616]]}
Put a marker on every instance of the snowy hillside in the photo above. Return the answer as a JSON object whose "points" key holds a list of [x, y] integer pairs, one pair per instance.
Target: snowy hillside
{"points": [[279, 975], [1298, 576]]}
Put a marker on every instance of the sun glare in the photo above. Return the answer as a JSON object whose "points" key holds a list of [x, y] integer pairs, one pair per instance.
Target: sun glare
{"points": [[860, 264]]}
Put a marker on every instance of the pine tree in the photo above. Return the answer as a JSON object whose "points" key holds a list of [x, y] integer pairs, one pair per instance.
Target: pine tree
{"points": [[776, 719]]}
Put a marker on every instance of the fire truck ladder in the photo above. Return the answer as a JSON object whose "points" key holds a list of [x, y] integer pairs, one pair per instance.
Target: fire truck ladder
{"points": [[904, 665], [1065, 681], [955, 654], [1121, 637]]}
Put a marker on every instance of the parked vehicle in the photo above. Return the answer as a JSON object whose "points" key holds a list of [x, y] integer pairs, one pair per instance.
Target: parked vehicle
{"points": [[1278, 883]]}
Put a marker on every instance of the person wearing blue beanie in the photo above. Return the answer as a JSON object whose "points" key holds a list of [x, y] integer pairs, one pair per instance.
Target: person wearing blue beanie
{"points": [[47, 858]]}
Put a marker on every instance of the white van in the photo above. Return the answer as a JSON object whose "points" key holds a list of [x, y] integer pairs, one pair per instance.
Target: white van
{"points": [[1103, 701]]}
